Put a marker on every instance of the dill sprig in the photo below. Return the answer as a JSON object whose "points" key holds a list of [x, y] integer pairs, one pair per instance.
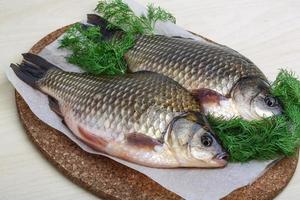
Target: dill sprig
{"points": [[270, 137], [119, 14], [94, 54]]}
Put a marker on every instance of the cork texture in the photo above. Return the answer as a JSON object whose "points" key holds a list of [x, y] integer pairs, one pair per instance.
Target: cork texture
{"points": [[111, 180]]}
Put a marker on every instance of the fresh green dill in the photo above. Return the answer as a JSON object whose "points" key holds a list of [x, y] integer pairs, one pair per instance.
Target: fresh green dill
{"points": [[119, 14], [267, 138], [93, 54]]}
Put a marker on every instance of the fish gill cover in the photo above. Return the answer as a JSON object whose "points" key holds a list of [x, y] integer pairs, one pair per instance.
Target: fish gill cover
{"points": [[244, 140]]}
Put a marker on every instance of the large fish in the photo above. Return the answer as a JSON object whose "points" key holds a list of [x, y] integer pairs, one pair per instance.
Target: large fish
{"points": [[142, 117], [225, 82]]}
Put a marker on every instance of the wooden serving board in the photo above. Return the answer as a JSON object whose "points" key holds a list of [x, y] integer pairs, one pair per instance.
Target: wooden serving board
{"points": [[111, 180]]}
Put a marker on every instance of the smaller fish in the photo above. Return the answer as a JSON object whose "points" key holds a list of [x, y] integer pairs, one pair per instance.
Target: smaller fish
{"points": [[143, 117]]}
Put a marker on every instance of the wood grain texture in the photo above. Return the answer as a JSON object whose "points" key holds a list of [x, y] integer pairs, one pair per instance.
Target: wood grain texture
{"points": [[111, 180], [266, 31]]}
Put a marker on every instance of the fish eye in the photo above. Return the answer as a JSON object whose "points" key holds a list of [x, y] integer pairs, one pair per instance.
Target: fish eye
{"points": [[206, 140], [270, 101]]}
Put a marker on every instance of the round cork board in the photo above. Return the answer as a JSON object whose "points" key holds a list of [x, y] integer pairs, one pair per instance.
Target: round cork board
{"points": [[111, 180]]}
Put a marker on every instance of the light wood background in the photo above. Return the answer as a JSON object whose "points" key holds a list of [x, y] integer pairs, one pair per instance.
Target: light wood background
{"points": [[266, 31]]}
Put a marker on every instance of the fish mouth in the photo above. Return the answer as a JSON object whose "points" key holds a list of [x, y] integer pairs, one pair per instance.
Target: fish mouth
{"points": [[221, 159]]}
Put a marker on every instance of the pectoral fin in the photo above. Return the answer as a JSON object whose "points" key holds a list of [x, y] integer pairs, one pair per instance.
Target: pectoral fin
{"points": [[215, 103], [142, 141], [207, 96]]}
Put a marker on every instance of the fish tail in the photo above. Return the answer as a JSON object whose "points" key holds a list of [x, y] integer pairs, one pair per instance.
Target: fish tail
{"points": [[96, 20], [32, 69]]}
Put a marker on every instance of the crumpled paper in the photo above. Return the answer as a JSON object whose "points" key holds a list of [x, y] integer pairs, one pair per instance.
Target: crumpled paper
{"points": [[193, 184]]}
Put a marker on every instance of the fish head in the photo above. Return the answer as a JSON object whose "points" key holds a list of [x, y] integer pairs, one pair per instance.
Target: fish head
{"points": [[253, 99], [193, 143]]}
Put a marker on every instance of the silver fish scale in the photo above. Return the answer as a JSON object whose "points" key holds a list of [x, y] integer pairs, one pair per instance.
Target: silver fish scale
{"points": [[191, 63], [142, 102]]}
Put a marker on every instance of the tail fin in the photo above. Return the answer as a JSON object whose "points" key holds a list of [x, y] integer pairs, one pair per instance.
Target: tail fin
{"points": [[107, 33], [32, 69], [96, 20]]}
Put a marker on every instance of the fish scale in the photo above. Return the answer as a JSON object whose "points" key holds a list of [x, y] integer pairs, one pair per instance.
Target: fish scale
{"points": [[186, 61], [129, 101]]}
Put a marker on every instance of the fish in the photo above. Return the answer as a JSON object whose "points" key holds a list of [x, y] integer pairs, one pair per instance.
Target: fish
{"points": [[143, 117], [226, 83]]}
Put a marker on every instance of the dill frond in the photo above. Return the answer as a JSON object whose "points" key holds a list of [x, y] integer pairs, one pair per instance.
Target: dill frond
{"points": [[93, 54]]}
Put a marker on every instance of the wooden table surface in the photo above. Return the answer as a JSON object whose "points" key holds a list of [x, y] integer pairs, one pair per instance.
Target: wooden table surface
{"points": [[266, 31]]}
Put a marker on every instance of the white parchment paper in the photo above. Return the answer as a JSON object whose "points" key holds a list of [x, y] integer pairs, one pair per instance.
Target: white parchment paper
{"points": [[193, 184]]}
